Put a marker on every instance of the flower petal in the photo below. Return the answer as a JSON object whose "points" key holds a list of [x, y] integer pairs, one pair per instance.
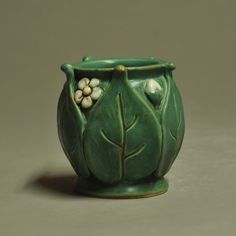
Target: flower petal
{"points": [[97, 92], [78, 96], [87, 102], [152, 86], [94, 82], [83, 83]]}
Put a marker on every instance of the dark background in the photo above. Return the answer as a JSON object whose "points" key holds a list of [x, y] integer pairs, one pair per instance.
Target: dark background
{"points": [[36, 180]]}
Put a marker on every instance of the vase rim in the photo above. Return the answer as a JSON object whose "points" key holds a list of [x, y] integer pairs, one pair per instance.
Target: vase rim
{"points": [[129, 63]]}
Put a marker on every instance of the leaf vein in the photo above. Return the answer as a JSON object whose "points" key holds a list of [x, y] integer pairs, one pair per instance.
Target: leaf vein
{"points": [[132, 123], [112, 142], [135, 152], [172, 135]]}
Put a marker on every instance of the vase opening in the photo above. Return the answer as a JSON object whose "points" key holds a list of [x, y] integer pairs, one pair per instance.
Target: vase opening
{"points": [[111, 63], [129, 63]]}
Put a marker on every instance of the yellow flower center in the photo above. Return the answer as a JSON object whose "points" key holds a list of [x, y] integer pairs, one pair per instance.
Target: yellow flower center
{"points": [[87, 91]]}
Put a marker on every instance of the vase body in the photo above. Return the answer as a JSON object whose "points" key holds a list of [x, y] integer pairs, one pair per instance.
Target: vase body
{"points": [[121, 125]]}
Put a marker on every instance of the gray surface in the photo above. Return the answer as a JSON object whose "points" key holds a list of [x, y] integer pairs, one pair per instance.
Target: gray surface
{"points": [[35, 178]]}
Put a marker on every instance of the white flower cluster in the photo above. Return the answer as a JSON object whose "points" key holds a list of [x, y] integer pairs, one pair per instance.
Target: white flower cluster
{"points": [[88, 92]]}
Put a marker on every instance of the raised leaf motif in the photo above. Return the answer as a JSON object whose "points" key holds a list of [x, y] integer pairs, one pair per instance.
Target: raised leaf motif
{"points": [[172, 121], [122, 139], [71, 123]]}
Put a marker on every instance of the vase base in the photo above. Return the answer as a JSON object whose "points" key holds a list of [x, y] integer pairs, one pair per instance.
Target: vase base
{"points": [[122, 190]]}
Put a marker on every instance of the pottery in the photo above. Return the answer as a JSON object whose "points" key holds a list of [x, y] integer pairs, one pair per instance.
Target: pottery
{"points": [[121, 125]]}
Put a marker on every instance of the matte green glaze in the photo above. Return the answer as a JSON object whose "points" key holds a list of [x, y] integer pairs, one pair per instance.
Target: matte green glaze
{"points": [[139, 189], [121, 125]]}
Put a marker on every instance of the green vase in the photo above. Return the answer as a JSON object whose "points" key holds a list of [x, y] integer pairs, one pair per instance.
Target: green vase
{"points": [[121, 125]]}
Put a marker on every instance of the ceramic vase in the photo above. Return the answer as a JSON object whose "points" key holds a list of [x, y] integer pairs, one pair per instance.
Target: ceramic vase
{"points": [[121, 125]]}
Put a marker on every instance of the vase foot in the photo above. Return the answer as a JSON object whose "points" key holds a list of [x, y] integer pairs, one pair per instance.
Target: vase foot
{"points": [[122, 190]]}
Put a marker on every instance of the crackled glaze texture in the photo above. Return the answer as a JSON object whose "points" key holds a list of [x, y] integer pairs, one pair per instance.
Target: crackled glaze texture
{"points": [[121, 125]]}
